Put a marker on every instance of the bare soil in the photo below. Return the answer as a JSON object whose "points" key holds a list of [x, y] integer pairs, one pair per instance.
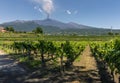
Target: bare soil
{"points": [[10, 71], [89, 72]]}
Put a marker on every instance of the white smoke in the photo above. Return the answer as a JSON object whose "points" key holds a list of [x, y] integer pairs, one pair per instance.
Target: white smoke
{"points": [[47, 5]]}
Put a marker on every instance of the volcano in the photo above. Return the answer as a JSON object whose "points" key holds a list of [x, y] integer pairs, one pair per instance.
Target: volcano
{"points": [[54, 26]]}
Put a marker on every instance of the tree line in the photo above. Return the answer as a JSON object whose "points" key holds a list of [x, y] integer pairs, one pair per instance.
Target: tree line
{"points": [[37, 30]]}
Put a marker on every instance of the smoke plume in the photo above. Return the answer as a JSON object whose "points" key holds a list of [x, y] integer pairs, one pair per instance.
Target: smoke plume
{"points": [[47, 6]]}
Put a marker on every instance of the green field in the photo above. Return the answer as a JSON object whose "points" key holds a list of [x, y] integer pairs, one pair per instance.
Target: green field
{"points": [[34, 37]]}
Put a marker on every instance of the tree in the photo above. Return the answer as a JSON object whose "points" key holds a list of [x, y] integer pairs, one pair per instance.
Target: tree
{"points": [[10, 29], [110, 33], [38, 30], [116, 34]]}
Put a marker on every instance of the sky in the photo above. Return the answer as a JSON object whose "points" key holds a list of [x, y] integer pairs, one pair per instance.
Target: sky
{"points": [[97, 13]]}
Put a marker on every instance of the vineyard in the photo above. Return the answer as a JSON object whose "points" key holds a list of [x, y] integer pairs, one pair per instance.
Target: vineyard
{"points": [[59, 56], [109, 54], [42, 52], [35, 37]]}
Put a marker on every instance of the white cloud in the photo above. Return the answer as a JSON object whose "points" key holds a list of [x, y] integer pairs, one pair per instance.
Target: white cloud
{"points": [[68, 12], [71, 12], [35, 7], [75, 12], [40, 10]]}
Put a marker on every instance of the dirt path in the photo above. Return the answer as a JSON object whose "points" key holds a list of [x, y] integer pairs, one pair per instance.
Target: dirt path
{"points": [[88, 67], [10, 71], [87, 60]]}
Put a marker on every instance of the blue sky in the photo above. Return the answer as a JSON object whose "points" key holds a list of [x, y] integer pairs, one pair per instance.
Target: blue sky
{"points": [[98, 13]]}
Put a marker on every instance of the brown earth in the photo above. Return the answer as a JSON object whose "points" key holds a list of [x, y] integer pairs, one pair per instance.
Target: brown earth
{"points": [[88, 67]]}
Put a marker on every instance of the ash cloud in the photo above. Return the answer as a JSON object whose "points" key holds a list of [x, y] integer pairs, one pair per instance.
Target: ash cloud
{"points": [[46, 5]]}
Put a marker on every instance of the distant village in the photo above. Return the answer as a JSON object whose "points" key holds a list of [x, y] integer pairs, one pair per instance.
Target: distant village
{"points": [[2, 29]]}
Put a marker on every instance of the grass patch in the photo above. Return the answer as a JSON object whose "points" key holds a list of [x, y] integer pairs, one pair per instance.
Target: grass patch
{"points": [[78, 58], [30, 63]]}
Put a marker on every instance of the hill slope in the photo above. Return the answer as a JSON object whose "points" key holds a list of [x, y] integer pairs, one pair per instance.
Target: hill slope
{"points": [[51, 26]]}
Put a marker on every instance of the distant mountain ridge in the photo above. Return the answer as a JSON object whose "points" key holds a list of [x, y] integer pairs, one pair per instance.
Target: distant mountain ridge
{"points": [[55, 23], [51, 26], [48, 22]]}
